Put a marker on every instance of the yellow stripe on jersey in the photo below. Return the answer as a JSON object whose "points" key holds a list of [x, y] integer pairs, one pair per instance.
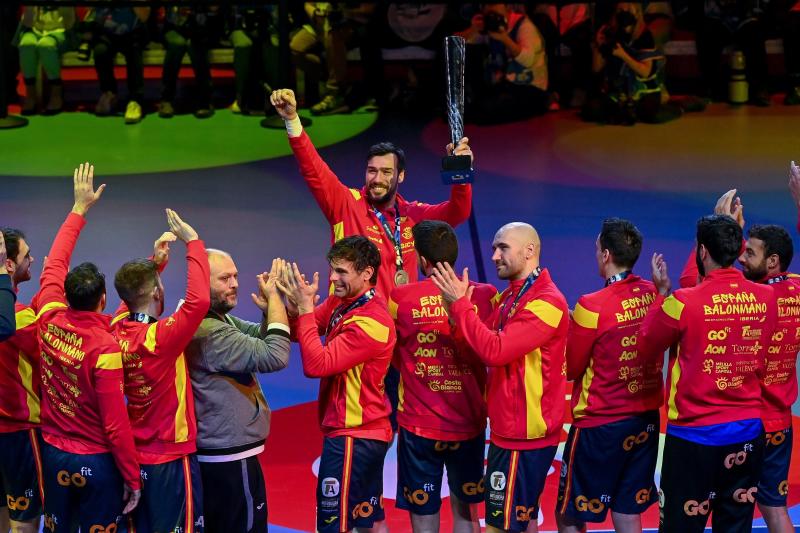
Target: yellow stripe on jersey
{"points": [[49, 307], [354, 412], [25, 369], [25, 318], [672, 407], [150, 338], [119, 317], [545, 311], [109, 361], [535, 423], [401, 395], [356, 194], [583, 399], [370, 326], [585, 318], [392, 308], [673, 307], [496, 298], [181, 424], [338, 234]]}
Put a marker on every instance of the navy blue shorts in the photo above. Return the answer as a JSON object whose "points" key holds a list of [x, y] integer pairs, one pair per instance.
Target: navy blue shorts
{"points": [[350, 484], [172, 498], [84, 489], [773, 485], [21, 474], [421, 462], [514, 483], [628, 452]]}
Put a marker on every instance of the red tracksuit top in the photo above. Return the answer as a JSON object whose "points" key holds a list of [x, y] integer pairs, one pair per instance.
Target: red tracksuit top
{"points": [[19, 373], [83, 406], [613, 380], [723, 328], [441, 388], [160, 399], [352, 365], [349, 213], [779, 386], [526, 360]]}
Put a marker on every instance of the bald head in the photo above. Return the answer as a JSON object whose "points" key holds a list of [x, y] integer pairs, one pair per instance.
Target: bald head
{"points": [[516, 248]]}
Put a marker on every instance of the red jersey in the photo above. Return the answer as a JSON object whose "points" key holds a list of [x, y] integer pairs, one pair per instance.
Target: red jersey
{"points": [[441, 388], [524, 346], [352, 365], [19, 374], [613, 380], [349, 213], [722, 327], [83, 407], [160, 400]]}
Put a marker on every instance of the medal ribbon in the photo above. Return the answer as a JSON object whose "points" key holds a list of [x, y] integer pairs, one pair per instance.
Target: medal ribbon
{"points": [[777, 279], [617, 277], [532, 277], [342, 310], [394, 237]]}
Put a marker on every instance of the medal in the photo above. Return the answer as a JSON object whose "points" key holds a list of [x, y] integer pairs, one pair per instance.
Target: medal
{"points": [[401, 277]]}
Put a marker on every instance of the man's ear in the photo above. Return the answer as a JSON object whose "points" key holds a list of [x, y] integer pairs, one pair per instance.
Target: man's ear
{"points": [[401, 176]]}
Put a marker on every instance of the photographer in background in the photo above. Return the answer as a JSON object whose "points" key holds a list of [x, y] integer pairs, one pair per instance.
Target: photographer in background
{"points": [[507, 67], [629, 70]]}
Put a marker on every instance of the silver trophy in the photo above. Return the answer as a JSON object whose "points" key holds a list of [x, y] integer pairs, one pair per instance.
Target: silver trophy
{"points": [[455, 168]]}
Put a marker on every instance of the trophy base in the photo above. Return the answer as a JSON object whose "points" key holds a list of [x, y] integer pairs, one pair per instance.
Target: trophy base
{"points": [[457, 169]]}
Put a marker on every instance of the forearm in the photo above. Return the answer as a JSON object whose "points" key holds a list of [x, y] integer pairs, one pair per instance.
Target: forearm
{"points": [[641, 69], [117, 426], [276, 312], [58, 259]]}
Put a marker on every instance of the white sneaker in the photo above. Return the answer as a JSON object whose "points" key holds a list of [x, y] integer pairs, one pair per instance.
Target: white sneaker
{"points": [[133, 113], [106, 104]]}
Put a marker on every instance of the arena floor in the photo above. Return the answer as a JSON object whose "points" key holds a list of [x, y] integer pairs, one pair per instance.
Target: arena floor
{"points": [[235, 183]]}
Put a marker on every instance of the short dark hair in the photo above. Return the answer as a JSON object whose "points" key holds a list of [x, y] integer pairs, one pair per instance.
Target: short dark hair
{"points": [[85, 286], [12, 236], [623, 240], [359, 251], [722, 237], [436, 241], [388, 148], [134, 280], [776, 241]]}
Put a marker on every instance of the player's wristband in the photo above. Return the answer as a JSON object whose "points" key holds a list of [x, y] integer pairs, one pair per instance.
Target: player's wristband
{"points": [[294, 127]]}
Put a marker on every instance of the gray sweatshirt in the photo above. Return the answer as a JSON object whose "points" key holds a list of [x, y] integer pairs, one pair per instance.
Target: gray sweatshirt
{"points": [[224, 356]]}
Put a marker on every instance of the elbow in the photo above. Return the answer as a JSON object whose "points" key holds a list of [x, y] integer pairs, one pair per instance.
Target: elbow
{"points": [[312, 373]]}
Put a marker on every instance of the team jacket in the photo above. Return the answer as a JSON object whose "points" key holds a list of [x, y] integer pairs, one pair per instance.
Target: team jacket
{"points": [[351, 365], [83, 407], [441, 388], [19, 374], [613, 380], [349, 213], [7, 310], [779, 386], [160, 399], [723, 327], [526, 360]]}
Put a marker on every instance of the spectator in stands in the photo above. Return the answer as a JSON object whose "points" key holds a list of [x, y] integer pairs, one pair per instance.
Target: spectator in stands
{"points": [[189, 29], [507, 67], [42, 41], [789, 15], [9, 23], [569, 25], [739, 22], [629, 71], [255, 55], [338, 27], [119, 30]]}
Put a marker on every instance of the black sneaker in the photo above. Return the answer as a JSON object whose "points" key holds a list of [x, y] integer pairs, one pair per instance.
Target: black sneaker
{"points": [[204, 112], [165, 110]]}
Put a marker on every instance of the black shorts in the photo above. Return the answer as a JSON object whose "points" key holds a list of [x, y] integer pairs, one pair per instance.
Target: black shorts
{"points": [[628, 452], [421, 463], [81, 489], [234, 496], [172, 498], [698, 478], [21, 474], [773, 486], [514, 483], [350, 484]]}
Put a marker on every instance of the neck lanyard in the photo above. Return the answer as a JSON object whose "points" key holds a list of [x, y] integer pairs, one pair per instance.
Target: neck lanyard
{"points": [[342, 310], [144, 318], [777, 279], [532, 277], [394, 237], [617, 277]]}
